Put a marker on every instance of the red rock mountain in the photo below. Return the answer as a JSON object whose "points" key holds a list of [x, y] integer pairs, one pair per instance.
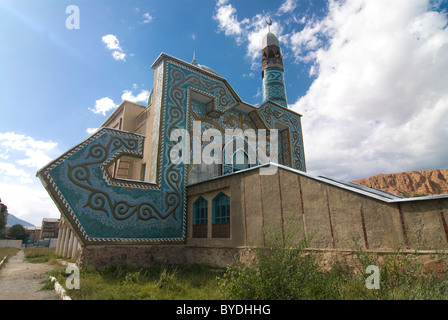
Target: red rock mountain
{"points": [[411, 183]]}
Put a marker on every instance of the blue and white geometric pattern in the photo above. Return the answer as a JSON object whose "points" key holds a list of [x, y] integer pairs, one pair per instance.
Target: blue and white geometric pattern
{"points": [[274, 86], [103, 210]]}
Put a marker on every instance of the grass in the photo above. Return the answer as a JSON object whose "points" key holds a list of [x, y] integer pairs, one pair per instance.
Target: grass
{"points": [[278, 271], [7, 251], [41, 255], [125, 281], [283, 269]]}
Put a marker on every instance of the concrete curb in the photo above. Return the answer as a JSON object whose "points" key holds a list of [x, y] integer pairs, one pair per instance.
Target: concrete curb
{"points": [[4, 259], [59, 289]]}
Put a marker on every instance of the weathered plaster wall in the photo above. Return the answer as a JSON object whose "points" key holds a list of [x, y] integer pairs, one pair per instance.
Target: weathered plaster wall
{"points": [[336, 217]]}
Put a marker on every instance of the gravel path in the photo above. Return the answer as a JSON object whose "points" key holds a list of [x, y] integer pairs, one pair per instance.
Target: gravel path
{"points": [[21, 280]]}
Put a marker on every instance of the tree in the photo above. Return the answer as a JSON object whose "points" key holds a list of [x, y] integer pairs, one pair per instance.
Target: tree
{"points": [[3, 216], [2, 221], [18, 231]]}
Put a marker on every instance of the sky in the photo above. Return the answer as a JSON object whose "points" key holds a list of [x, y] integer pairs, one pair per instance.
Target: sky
{"points": [[370, 78]]}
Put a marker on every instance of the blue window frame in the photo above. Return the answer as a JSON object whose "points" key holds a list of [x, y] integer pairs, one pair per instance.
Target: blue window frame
{"points": [[200, 211], [221, 209], [240, 161]]}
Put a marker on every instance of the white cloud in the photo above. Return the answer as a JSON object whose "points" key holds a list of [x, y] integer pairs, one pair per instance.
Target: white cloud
{"points": [[103, 106], [258, 94], [10, 172], [379, 101], [141, 97], [106, 104], [36, 158], [29, 203], [119, 55], [113, 44], [228, 20], [287, 6], [36, 151], [250, 31], [148, 18], [19, 188], [91, 131]]}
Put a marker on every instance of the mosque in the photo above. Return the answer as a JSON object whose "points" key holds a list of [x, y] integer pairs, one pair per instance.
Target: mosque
{"points": [[122, 195]]}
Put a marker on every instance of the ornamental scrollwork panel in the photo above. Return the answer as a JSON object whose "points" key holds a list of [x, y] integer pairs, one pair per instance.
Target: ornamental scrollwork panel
{"points": [[102, 209]]}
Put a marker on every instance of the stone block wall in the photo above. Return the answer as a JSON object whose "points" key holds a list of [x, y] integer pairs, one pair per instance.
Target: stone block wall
{"points": [[338, 216], [147, 255]]}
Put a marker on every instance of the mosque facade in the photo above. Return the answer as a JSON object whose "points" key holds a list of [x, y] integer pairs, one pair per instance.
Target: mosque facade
{"points": [[198, 175]]}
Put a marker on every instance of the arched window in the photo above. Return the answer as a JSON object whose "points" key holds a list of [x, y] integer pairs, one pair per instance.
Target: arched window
{"points": [[240, 161], [200, 218], [202, 172], [221, 216]]}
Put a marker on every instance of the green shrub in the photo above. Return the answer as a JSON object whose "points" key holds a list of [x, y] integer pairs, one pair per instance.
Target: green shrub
{"points": [[284, 270], [168, 278], [280, 270], [402, 276]]}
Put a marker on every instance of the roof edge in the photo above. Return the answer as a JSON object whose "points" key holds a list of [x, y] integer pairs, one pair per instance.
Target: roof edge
{"points": [[349, 186]]}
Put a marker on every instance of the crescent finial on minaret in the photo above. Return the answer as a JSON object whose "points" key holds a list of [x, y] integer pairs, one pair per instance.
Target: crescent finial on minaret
{"points": [[269, 23]]}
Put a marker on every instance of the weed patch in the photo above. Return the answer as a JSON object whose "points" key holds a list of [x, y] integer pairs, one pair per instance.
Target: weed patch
{"points": [[284, 270], [126, 281]]}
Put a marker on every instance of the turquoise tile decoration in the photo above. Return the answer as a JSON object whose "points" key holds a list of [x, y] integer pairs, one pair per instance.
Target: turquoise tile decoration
{"points": [[103, 210], [274, 86]]}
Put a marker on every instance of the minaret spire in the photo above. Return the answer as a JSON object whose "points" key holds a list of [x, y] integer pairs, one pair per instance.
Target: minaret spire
{"points": [[194, 58], [269, 23], [272, 69]]}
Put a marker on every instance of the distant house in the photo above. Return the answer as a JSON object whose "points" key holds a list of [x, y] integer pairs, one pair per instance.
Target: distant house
{"points": [[49, 228], [33, 232]]}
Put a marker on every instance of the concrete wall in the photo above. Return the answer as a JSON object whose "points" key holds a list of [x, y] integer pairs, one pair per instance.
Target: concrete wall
{"points": [[292, 203], [11, 243], [53, 243], [145, 256], [289, 201]]}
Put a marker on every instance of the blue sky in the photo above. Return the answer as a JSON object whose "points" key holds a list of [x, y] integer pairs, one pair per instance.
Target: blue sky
{"points": [[369, 77]]}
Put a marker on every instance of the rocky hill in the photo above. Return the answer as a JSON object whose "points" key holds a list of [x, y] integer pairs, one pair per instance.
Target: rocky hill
{"points": [[411, 183], [13, 220]]}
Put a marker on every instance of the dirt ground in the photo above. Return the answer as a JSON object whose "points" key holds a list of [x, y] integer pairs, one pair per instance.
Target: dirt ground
{"points": [[21, 280]]}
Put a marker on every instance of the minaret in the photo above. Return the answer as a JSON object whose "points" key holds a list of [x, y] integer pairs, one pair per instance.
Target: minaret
{"points": [[272, 70]]}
